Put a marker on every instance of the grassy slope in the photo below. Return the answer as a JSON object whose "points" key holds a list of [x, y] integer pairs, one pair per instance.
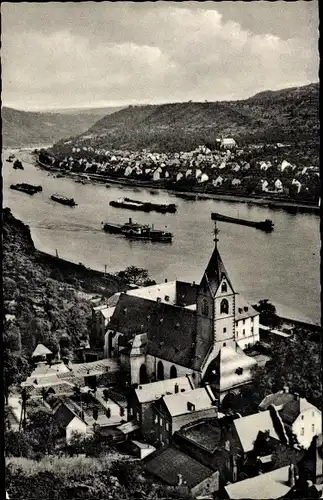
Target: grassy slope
{"points": [[28, 128], [285, 115]]}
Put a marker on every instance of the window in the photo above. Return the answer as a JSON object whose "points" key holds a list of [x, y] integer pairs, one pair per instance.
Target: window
{"points": [[252, 329], [205, 307], [156, 419], [224, 344], [224, 330], [130, 411], [302, 431], [160, 371], [160, 421], [243, 322], [239, 371], [173, 372], [236, 323], [302, 417], [167, 426], [251, 320], [244, 331], [224, 287], [224, 307], [313, 428], [227, 445]]}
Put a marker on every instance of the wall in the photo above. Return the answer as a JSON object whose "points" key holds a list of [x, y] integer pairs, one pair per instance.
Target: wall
{"points": [[135, 364], [75, 426], [305, 421], [249, 337], [151, 364], [209, 485]]}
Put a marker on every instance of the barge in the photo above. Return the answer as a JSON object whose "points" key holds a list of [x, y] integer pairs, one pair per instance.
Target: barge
{"points": [[143, 206], [266, 225], [63, 200], [26, 188], [134, 231]]}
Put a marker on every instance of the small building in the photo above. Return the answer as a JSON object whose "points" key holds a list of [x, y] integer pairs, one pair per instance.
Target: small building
{"points": [[247, 324], [218, 181], [157, 174], [228, 143], [175, 468], [173, 411], [278, 185], [41, 354], [236, 182], [69, 417], [139, 449], [303, 419], [141, 401]]}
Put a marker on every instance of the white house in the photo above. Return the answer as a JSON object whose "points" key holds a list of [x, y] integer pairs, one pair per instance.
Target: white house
{"points": [[218, 181], [179, 176], [236, 182], [67, 416], [128, 171], [198, 172], [264, 166], [284, 165], [298, 184], [156, 174], [303, 418], [264, 184], [247, 324], [228, 143], [236, 168], [188, 172], [222, 165], [278, 185], [203, 178]]}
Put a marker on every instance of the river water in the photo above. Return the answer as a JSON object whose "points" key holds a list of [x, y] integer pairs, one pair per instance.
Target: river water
{"points": [[282, 266]]}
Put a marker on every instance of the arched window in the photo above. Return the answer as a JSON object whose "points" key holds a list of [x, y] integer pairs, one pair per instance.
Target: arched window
{"points": [[160, 371], [173, 372], [143, 375], [205, 307], [224, 307], [224, 287]]}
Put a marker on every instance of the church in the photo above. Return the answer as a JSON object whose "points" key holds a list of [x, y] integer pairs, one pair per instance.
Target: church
{"points": [[187, 329]]}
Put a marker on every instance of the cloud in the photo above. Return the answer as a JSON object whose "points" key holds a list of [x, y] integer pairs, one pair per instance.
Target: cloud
{"points": [[131, 54]]}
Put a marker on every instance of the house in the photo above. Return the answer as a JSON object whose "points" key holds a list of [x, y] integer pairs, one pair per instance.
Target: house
{"points": [[203, 178], [175, 468], [264, 166], [41, 354], [128, 171], [264, 185], [297, 184], [236, 182], [284, 165], [236, 168], [70, 418], [173, 411], [278, 400], [218, 181], [228, 143], [247, 324], [274, 484], [302, 419], [278, 185], [179, 176], [141, 400], [157, 174]]}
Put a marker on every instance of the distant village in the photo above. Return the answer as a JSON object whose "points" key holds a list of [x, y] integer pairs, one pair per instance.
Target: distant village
{"points": [[269, 170], [169, 359]]}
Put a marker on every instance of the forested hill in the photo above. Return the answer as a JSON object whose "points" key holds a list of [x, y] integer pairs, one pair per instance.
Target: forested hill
{"points": [[285, 115], [28, 128]]}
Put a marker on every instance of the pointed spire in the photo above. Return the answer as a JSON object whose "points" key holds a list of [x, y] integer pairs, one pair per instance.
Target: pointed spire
{"points": [[216, 233]]}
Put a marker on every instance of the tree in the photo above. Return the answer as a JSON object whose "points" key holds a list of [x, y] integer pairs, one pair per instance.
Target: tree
{"points": [[43, 431], [268, 313], [134, 276], [16, 369], [17, 444]]}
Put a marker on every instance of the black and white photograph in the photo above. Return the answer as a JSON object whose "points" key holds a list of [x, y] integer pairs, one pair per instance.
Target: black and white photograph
{"points": [[161, 291]]}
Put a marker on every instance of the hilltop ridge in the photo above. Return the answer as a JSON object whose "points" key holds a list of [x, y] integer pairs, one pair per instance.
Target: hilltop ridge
{"points": [[271, 116]]}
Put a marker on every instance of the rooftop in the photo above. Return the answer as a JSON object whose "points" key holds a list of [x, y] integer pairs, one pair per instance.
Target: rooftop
{"points": [[244, 309], [41, 350], [206, 434], [199, 399], [293, 408], [279, 399], [151, 392], [271, 485], [168, 462], [248, 428]]}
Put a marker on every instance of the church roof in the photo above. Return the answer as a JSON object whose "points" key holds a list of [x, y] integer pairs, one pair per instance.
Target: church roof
{"points": [[214, 272], [155, 390], [172, 334], [131, 315]]}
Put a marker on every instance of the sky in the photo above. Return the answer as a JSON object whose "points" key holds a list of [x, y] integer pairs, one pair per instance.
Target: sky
{"points": [[87, 54]]}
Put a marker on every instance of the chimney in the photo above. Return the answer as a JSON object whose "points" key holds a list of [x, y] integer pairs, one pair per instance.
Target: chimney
{"points": [[130, 220], [291, 475], [286, 389], [176, 388], [179, 479]]}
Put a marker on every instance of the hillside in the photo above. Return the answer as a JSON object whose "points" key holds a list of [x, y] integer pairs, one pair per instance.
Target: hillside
{"points": [[29, 128], [271, 116]]}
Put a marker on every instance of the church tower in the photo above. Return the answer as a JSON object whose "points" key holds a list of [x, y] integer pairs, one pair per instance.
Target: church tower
{"points": [[215, 308]]}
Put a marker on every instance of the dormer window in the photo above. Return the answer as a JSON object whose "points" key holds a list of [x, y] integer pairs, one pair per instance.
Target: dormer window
{"points": [[224, 287], [166, 298], [205, 307], [239, 371], [190, 406], [224, 307], [240, 310]]}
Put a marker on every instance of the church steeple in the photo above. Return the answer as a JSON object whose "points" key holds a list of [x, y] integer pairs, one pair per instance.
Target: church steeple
{"points": [[215, 270]]}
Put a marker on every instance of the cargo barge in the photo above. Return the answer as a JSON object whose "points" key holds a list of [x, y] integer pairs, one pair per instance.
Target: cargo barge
{"points": [[266, 225], [143, 206], [134, 231], [63, 200], [26, 188]]}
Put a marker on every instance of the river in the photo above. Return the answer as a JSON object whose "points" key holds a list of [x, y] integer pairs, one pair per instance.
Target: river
{"points": [[282, 266]]}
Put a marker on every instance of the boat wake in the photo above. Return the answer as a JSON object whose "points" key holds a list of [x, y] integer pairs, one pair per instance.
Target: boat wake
{"points": [[79, 228]]}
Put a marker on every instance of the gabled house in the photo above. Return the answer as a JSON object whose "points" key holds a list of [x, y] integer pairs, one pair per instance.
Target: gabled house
{"points": [[70, 418], [173, 411], [236, 182], [203, 178], [218, 181], [228, 143], [303, 419], [141, 401], [278, 185], [247, 324], [157, 174]]}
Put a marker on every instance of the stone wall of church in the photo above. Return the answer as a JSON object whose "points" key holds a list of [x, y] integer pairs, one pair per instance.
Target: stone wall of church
{"points": [[152, 362]]}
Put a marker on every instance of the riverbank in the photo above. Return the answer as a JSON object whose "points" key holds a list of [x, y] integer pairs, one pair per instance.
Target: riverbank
{"points": [[193, 193]]}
